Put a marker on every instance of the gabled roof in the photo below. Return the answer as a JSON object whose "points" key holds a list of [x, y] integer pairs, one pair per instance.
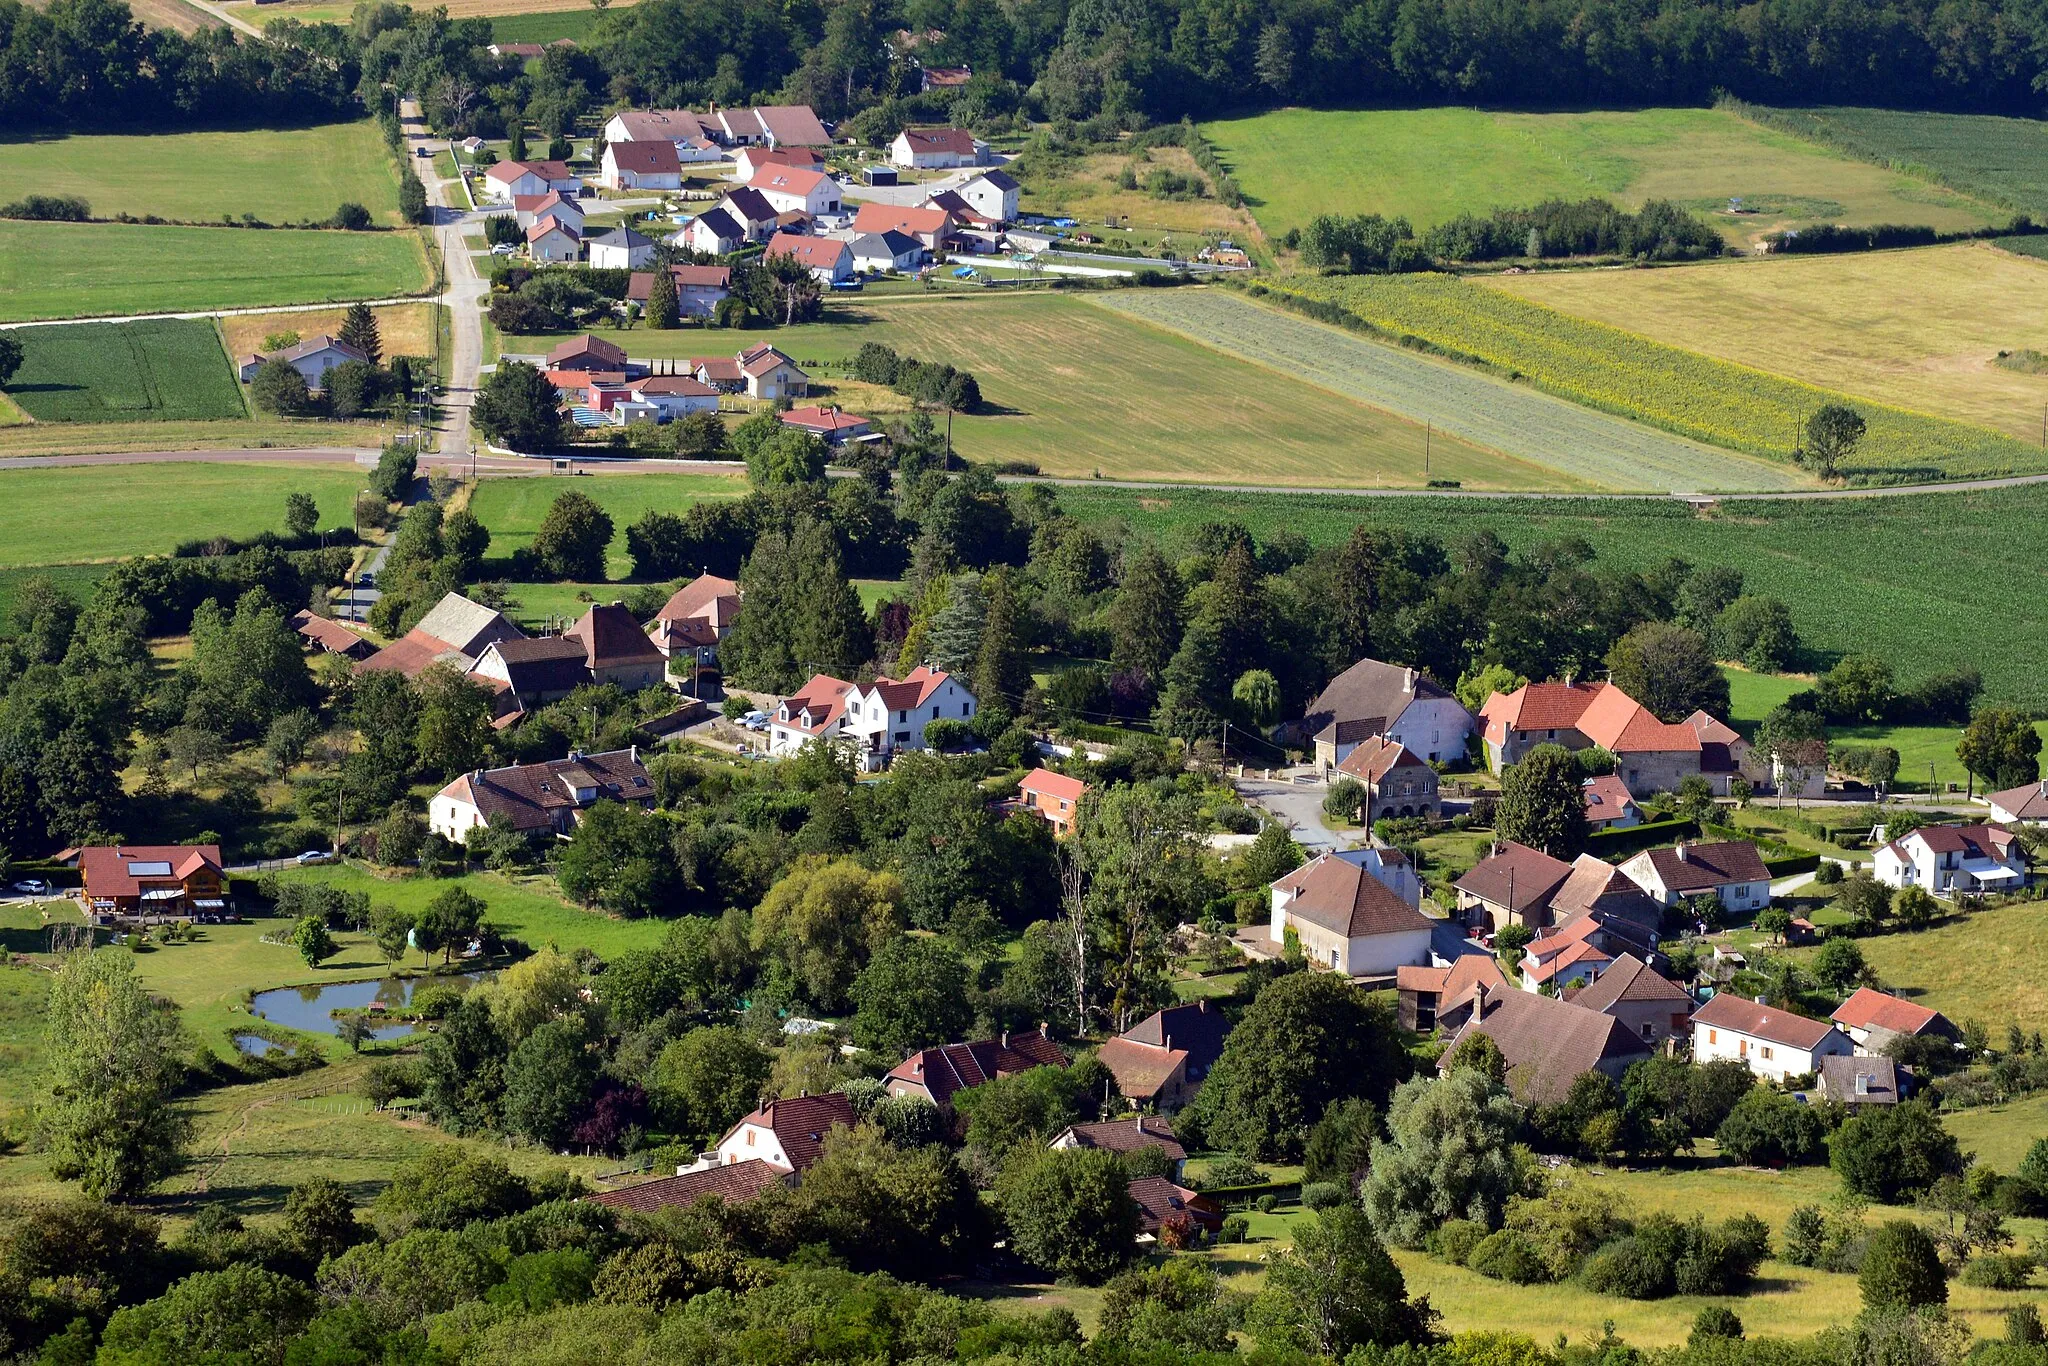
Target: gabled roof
{"points": [[1159, 1199], [412, 652], [656, 156], [678, 385], [2025, 803], [735, 1182], [720, 224], [466, 625], [313, 346], [532, 667], [1548, 1044], [786, 179], [1983, 841], [1127, 1136], [818, 253], [1376, 757], [509, 171], [608, 354], [543, 226], [891, 245], [329, 635], [1369, 689], [645, 125], [1517, 877], [1601, 712], [120, 870], [761, 358], [1140, 1069], [806, 157], [956, 1067], [914, 689], [1197, 1029], [1607, 798], [823, 696], [1838, 1080], [1344, 898], [707, 598], [822, 420], [876, 217], [925, 141], [1744, 1016], [1629, 978], [792, 124], [529, 794], [1690, 868], [1456, 984], [1541, 967], [1057, 785], [1712, 731], [640, 284], [1868, 1009], [748, 205], [541, 205], [801, 1123], [619, 237], [611, 637]]}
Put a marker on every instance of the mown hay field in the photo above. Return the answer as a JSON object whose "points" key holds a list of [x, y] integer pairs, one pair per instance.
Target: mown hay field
{"points": [[281, 175], [2001, 160], [163, 370], [1716, 401], [1928, 581], [1919, 329], [1079, 391], [404, 329], [339, 12], [1432, 164], [1585, 448]]}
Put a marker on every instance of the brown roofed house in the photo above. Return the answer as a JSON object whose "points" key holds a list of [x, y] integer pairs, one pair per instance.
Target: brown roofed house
{"points": [[1733, 872], [1549, 1044], [787, 1134], [1872, 1019], [1161, 1201], [736, 1184], [1397, 782], [1654, 1007], [587, 353], [696, 616], [1513, 885], [550, 796], [1775, 1044], [938, 1074], [1347, 920], [2024, 805], [1433, 998], [526, 674], [615, 650], [330, 636], [1125, 1136], [1163, 1059], [455, 632], [1375, 698], [152, 881]]}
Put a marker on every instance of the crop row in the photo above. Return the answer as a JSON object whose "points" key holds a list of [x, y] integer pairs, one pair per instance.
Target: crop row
{"points": [[1736, 406], [156, 371]]}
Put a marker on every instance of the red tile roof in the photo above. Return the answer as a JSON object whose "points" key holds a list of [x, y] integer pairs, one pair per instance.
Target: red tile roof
{"points": [[1376, 757], [800, 1124], [914, 689], [1548, 966], [918, 222], [1744, 1016], [330, 635], [1607, 798], [787, 179], [925, 141], [1601, 712], [958, 1066], [734, 1183], [1453, 986], [1129, 1136], [530, 794], [609, 355], [1868, 1009], [817, 253], [611, 637], [1056, 785], [822, 420], [707, 598]]}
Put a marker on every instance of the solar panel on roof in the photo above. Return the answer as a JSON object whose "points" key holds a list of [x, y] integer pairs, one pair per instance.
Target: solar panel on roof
{"points": [[155, 868]]}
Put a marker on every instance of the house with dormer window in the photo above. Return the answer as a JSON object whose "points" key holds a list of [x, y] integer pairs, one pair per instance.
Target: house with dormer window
{"points": [[1951, 860], [549, 796], [873, 721]]}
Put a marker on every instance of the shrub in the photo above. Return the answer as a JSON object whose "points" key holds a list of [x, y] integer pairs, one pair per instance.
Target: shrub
{"points": [[1266, 1204], [351, 217], [1902, 1269], [1232, 1170], [1828, 874], [1322, 1195], [1455, 1239], [1999, 1271], [1895, 1151], [1716, 1321], [1769, 1128], [1508, 1256], [1236, 1228]]}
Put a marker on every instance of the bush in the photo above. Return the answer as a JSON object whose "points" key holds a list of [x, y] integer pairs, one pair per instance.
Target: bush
{"points": [[1266, 1204], [1237, 820], [1999, 1271], [1828, 874], [1455, 1239], [1716, 1321], [1236, 1228], [1507, 1256], [1769, 1128], [1895, 1151], [351, 217], [1627, 1268], [1902, 1269], [1232, 1170], [1322, 1195]]}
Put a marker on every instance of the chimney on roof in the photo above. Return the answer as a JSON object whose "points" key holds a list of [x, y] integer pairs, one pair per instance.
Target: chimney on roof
{"points": [[634, 752], [1681, 852], [1409, 686], [1004, 1038]]}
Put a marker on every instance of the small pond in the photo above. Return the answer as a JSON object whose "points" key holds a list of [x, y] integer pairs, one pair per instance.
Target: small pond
{"points": [[311, 1007], [256, 1046]]}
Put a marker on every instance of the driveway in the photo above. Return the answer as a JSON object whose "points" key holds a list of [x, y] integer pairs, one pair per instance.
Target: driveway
{"points": [[1299, 805]]}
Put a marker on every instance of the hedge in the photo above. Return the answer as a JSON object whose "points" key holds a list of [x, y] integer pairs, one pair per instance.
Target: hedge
{"points": [[1791, 865], [1613, 844]]}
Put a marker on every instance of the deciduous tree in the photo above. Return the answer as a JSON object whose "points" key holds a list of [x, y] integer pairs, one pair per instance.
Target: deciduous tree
{"points": [[1542, 803]]}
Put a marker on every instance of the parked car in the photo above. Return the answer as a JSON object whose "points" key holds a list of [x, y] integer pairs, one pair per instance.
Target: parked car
{"points": [[32, 887], [315, 856]]}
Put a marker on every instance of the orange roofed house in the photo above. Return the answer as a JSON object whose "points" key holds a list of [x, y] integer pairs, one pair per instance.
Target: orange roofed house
{"points": [[1053, 797], [938, 1074], [1652, 755], [153, 881], [1163, 1059]]}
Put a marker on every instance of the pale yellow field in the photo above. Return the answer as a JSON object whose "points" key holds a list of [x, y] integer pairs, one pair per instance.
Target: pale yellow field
{"points": [[405, 329], [1091, 194], [328, 12], [175, 15], [1916, 328]]}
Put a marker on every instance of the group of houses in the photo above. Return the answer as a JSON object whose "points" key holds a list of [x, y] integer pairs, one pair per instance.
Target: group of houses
{"points": [[598, 383]]}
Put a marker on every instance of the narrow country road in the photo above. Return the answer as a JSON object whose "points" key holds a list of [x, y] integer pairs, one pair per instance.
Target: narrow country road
{"points": [[224, 312], [464, 287]]}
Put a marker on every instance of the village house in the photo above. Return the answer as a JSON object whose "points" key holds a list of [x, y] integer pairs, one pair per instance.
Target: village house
{"points": [[667, 397], [619, 249], [1733, 872], [506, 180], [694, 136], [1347, 920], [1442, 997], [1548, 1043], [929, 226], [330, 636], [553, 241], [787, 1134], [529, 209], [1397, 783], [1954, 860], [1124, 1136], [1161, 1202], [1512, 885], [1160, 1062], [992, 195], [1053, 797], [2025, 805], [312, 358], [1873, 1020], [1651, 755], [714, 231], [1560, 959], [1775, 1044], [699, 289], [1603, 905], [1609, 805], [752, 160], [456, 632], [1860, 1081], [776, 125], [1372, 698], [1725, 756], [735, 1185], [695, 618], [152, 882], [939, 1074], [651, 165], [878, 253], [550, 796], [834, 426], [1653, 1007], [876, 721], [525, 675], [616, 652], [937, 149], [943, 78], [828, 259], [797, 189], [750, 209], [587, 353], [764, 372]]}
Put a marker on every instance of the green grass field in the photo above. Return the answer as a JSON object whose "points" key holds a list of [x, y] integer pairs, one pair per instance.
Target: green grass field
{"points": [[2001, 160], [164, 370], [1983, 967], [1433, 164], [280, 175], [512, 509], [1683, 391], [545, 26], [1583, 447], [69, 270], [1866, 574], [1080, 390], [23, 992], [85, 513], [1917, 329]]}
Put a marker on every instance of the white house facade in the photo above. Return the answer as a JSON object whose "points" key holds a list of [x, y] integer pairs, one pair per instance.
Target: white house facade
{"points": [[1733, 872], [992, 194], [1952, 860], [875, 722], [1774, 1044], [1347, 920]]}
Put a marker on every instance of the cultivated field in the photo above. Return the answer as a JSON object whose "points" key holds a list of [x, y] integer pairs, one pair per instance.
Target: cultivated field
{"points": [[279, 175], [1919, 329], [545, 26], [1683, 391], [405, 329], [85, 513], [1433, 164], [1874, 575], [512, 508], [176, 15], [165, 370], [67, 270], [2001, 160], [338, 12], [1585, 448], [1080, 390]]}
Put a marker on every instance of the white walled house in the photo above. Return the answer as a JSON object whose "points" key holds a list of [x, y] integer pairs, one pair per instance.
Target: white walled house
{"points": [[507, 180], [551, 240], [2027, 805], [619, 249], [787, 1134], [1373, 698], [876, 721], [312, 358], [651, 165], [547, 796], [1951, 860], [992, 194], [1347, 920], [1733, 872], [1774, 1044], [794, 189], [936, 149]]}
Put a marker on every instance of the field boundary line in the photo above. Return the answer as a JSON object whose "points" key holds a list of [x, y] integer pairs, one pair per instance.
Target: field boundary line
{"points": [[315, 307]]}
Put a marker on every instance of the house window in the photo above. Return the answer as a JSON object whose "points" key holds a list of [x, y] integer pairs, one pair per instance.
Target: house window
{"points": [[902, 716], [1768, 1054], [1713, 1036]]}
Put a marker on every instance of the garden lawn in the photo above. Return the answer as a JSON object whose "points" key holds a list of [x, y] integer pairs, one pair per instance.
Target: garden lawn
{"points": [[161, 370], [1079, 390], [1920, 329], [1432, 164], [529, 908], [23, 993], [113, 512], [282, 175], [68, 270], [512, 508]]}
